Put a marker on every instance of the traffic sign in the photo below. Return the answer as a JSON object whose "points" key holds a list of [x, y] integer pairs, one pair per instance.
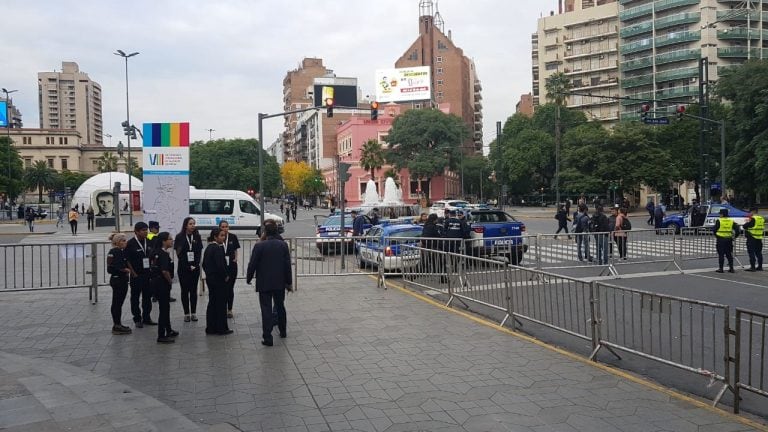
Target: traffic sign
{"points": [[656, 121]]}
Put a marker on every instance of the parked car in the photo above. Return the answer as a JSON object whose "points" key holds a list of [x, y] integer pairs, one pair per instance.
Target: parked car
{"points": [[329, 237], [440, 207], [710, 211], [390, 246], [496, 233], [41, 213]]}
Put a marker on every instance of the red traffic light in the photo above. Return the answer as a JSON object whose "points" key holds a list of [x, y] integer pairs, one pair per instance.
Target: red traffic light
{"points": [[646, 107], [681, 109]]}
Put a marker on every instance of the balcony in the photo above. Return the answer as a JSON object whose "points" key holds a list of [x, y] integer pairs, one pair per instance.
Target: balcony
{"points": [[637, 98], [677, 74], [741, 52], [603, 65], [637, 46], [640, 63], [636, 81], [671, 4], [738, 33], [595, 84], [679, 92], [679, 55], [637, 29], [682, 18], [635, 12], [740, 15], [676, 38]]}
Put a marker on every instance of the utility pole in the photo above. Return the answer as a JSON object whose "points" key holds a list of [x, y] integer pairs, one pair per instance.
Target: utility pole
{"points": [[703, 103]]}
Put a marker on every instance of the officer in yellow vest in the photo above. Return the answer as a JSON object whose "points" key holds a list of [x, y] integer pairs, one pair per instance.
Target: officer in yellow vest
{"points": [[754, 230], [725, 231]]}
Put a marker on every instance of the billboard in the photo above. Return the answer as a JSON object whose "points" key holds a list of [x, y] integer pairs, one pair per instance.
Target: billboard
{"points": [[3, 114], [343, 95], [166, 173], [404, 84]]}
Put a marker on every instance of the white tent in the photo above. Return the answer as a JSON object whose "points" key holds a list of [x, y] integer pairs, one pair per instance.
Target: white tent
{"points": [[103, 181]]}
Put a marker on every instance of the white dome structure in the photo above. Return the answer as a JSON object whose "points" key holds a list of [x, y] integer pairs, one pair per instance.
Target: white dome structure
{"points": [[103, 182]]}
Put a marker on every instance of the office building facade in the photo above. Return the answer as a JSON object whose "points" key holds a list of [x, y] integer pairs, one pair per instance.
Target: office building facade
{"points": [[69, 99]]}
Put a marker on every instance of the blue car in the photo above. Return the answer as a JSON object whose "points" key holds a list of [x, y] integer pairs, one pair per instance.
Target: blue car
{"points": [[710, 211], [382, 246], [496, 233]]}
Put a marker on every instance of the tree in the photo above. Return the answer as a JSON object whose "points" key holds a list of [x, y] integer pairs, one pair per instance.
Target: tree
{"points": [[295, 175], [314, 183], [39, 176], [557, 87], [107, 162], [232, 164], [426, 142], [11, 187], [476, 170], [71, 179], [372, 156]]}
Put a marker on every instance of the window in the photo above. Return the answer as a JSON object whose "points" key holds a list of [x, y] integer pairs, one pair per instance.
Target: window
{"points": [[26, 140], [64, 164], [439, 59], [212, 206], [383, 137], [27, 162], [439, 94], [439, 71], [439, 82], [50, 162], [419, 188], [249, 207]]}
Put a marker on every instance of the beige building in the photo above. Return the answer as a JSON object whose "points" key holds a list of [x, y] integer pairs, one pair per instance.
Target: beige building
{"points": [[582, 43], [295, 96], [70, 100], [454, 77], [63, 149]]}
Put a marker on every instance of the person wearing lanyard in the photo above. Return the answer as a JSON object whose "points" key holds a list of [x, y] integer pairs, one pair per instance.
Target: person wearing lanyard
{"points": [[162, 277], [117, 267], [231, 245], [189, 247], [137, 250]]}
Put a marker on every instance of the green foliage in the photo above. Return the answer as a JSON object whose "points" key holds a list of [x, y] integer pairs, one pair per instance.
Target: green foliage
{"points": [[372, 156], [39, 176], [71, 179], [15, 185], [557, 85], [476, 171], [232, 164], [426, 141], [107, 162], [314, 184]]}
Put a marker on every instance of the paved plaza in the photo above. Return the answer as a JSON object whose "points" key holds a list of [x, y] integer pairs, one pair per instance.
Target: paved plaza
{"points": [[356, 358]]}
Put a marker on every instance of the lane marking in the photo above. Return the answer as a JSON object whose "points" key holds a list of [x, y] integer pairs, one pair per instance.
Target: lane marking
{"points": [[610, 369], [730, 280]]}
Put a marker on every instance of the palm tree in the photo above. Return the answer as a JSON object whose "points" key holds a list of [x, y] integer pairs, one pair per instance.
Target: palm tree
{"points": [[107, 162], [557, 86], [372, 157], [40, 176]]}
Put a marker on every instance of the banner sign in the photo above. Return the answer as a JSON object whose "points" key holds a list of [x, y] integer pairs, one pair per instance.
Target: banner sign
{"points": [[404, 84], [166, 174], [3, 114]]}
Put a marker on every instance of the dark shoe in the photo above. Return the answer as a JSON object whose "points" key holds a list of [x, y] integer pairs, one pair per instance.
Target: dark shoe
{"points": [[194, 317], [759, 269], [266, 343], [118, 330], [719, 271], [226, 332], [150, 323], [731, 271], [283, 335], [171, 299], [173, 333], [751, 269], [186, 318], [125, 329], [139, 324], [165, 340]]}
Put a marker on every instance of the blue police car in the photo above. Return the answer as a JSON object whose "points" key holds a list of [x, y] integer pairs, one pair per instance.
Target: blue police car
{"points": [[390, 246], [708, 214], [496, 233], [328, 235]]}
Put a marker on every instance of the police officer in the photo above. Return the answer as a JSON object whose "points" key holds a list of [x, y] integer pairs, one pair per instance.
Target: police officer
{"points": [[455, 228], [725, 230], [754, 230], [161, 274], [138, 262], [154, 229]]}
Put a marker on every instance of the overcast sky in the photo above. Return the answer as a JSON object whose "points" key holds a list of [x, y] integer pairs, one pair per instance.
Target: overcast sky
{"points": [[218, 63]]}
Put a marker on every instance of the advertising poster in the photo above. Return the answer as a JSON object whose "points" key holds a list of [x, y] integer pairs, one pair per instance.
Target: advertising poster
{"points": [[3, 114], [404, 84], [166, 174]]}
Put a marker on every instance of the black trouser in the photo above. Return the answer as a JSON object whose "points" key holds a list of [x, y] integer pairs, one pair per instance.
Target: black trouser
{"points": [[724, 249], [231, 285], [119, 291], [562, 226], [188, 282], [140, 287], [651, 217], [265, 301], [162, 290], [621, 244], [73, 226], [755, 251], [90, 223]]}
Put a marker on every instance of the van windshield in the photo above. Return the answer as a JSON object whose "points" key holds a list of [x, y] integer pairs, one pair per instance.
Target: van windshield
{"points": [[248, 207]]}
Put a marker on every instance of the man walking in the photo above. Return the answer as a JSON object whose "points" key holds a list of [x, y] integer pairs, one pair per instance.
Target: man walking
{"points": [[581, 228], [754, 230], [270, 265], [725, 230], [650, 207]]}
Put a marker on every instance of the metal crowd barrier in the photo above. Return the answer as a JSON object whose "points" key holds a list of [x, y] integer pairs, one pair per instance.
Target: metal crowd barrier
{"points": [[699, 243], [48, 266], [313, 256], [751, 354]]}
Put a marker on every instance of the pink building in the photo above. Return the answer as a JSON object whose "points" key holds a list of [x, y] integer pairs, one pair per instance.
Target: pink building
{"points": [[350, 137]]}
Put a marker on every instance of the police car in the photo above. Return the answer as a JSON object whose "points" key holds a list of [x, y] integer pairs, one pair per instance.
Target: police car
{"points": [[442, 207], [328, 235], [390, 246], [710, 211], [496, 233]]}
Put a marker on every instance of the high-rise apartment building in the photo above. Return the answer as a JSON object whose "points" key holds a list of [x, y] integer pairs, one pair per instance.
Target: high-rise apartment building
{"points": [[454, 77], [582, 43], [70, 100], [296, 95], [664, 40], [525, 105]]}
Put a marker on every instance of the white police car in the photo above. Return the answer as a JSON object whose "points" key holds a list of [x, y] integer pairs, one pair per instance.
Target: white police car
{"points": [[390, 246], [710, 213]]}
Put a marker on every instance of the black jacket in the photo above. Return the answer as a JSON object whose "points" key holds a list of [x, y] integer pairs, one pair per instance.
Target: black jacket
{"points": [[214, 263], [270, 264], [430, 236], [136, 252], [117, 261], [181, 244]]}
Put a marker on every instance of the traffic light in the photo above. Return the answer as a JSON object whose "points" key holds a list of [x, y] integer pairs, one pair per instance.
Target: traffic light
{"points": [[126, 128], [250, 191], [329, 107], [680, 111], [344, 174], [374, 110], [644, 109]]}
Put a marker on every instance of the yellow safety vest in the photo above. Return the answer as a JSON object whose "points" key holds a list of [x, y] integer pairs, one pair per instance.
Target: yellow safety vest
{"points": [[726, 228], [757, 230], [150, 235]]}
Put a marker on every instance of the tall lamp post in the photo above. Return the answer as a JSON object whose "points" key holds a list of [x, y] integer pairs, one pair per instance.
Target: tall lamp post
{"points": [[129, 132], [8, 130]]}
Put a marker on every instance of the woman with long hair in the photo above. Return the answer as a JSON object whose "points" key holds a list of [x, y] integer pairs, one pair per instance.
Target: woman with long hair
{"points": [[231, 245], [117, 267], [189, 248], [73, 215], [217, 276]]}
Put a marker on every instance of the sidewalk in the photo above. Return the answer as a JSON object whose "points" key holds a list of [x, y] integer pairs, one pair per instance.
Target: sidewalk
{"points": [[356, 358]]}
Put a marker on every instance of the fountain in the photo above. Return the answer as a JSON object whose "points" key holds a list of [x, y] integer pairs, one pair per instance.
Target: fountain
{"points": [[392, 205], [393, 196], [371, 198]]}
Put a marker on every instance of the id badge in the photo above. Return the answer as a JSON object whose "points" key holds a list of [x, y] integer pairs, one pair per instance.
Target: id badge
{"points": [[145, 263], [190, 257], [227, 258]]}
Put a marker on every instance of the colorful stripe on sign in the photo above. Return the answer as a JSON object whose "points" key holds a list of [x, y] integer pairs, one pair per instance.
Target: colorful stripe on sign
{"points": [[166, 134]]}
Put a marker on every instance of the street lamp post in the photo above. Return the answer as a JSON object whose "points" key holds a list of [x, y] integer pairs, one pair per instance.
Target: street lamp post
{"points": [[122, 54], [8, 130]]}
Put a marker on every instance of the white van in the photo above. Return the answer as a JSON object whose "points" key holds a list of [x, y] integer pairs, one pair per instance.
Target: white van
{"points": [[211, 206]]}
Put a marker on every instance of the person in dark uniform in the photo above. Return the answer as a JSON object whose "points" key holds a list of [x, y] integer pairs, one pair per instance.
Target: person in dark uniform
{"points": [[755, 230], [161, 280], [117, 267], [217, 275], [189, 248], [288, 212], [455, 228], [137, 250], [431, 238], [154, 229], [91, 216], [562, 221], [374, 217], [270, 265], [725, 230], [231, 246], [294, 207]]}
